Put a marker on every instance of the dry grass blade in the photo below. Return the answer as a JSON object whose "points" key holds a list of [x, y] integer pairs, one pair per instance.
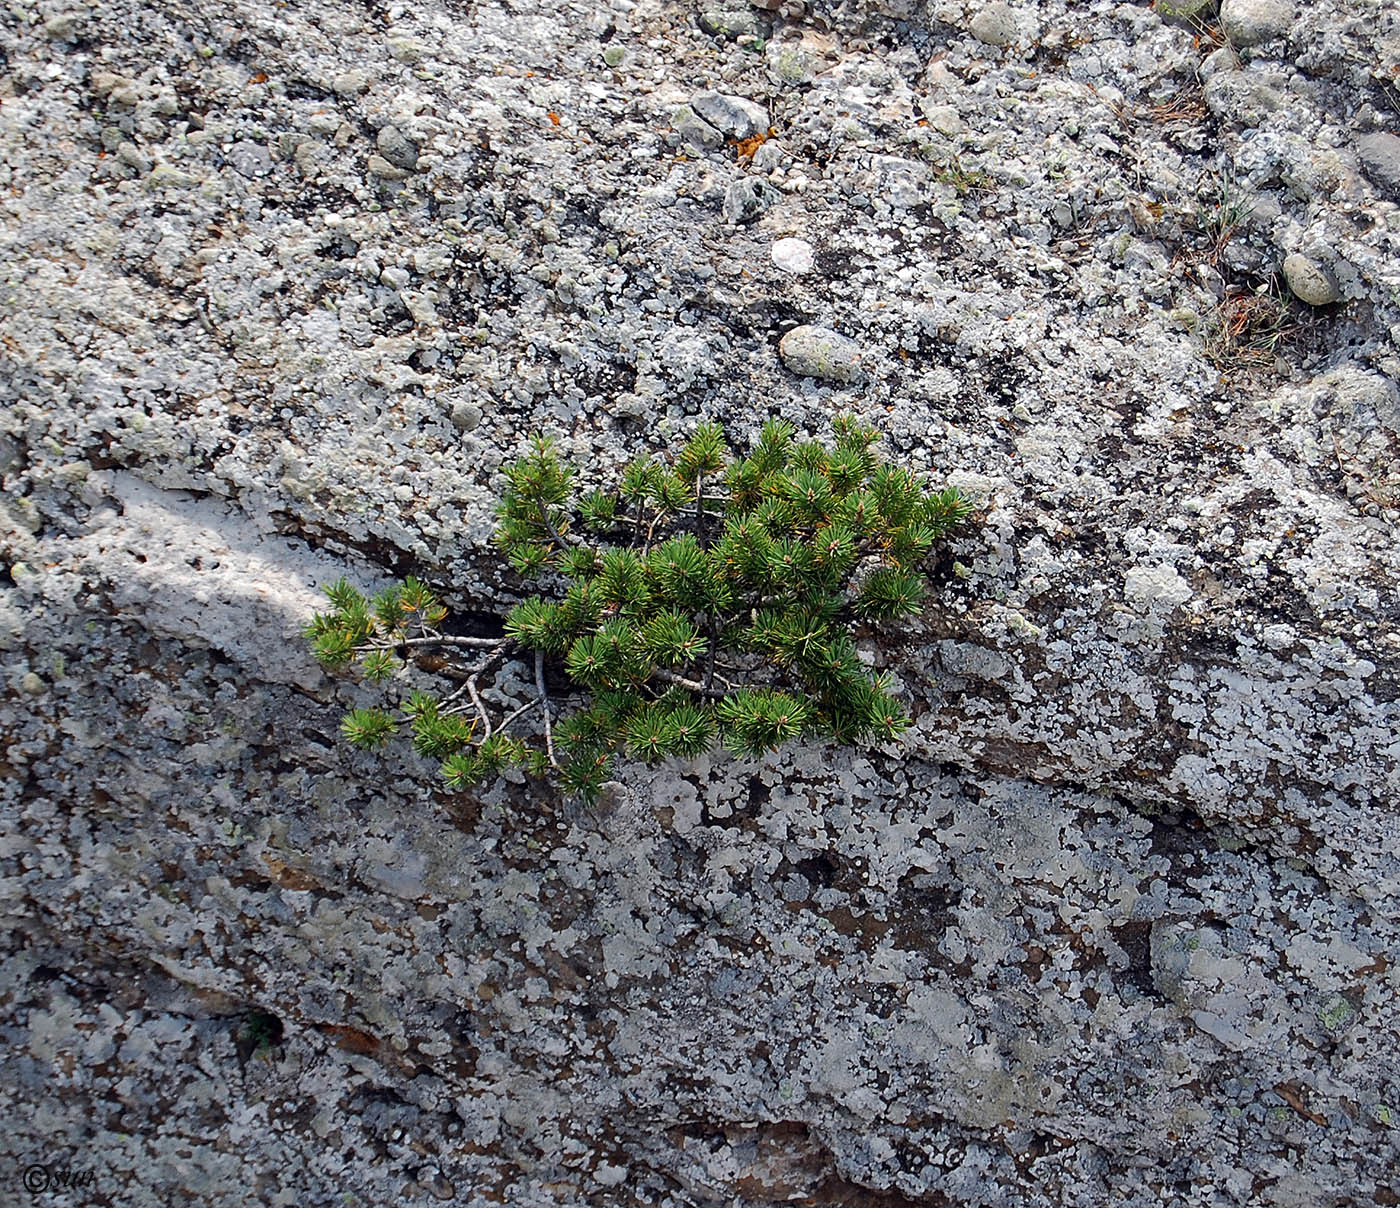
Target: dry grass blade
{"points": [[1247, 331], [1186, 105]]}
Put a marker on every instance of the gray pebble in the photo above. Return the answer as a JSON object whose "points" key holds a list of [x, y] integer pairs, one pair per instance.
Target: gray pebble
{"points": [[694, 131], [996, 25], [378, 166], [397, 149], [65, 26], [1219, 62], [351, 83], [822, 353], [793, 256], [1380, 157], [32, 684], [250, 159], [1250, 22], [466, 416], [130, 155], [1309, 282], [732, 116], [745, 200]]}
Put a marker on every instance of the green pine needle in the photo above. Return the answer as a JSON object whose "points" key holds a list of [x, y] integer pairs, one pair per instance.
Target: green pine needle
{"points": [[333, 648], [342, 595], [758, 720], [889, 592], [368, 728], [704, 453], [379, 665]]}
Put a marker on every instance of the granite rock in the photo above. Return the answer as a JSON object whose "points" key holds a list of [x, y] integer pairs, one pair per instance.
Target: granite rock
{"points": [[1113, 924]]}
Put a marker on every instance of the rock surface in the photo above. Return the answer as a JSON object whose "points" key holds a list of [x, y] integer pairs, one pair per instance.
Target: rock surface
{"points": [[1115, 925]]}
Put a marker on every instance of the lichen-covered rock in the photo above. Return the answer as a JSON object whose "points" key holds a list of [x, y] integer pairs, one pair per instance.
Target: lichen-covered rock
{"points": [[819, 352], [1115, 919]]}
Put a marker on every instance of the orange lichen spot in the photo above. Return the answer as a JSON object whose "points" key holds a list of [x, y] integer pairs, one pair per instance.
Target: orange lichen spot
{"points": [[745, 147], [555, 118], [260, 77]]}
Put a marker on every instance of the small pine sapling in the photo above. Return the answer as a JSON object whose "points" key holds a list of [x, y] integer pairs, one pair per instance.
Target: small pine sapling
{"points": [[715, 599]]}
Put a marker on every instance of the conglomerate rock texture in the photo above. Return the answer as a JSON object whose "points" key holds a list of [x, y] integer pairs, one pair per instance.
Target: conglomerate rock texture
{"points": [[1118, 924]]}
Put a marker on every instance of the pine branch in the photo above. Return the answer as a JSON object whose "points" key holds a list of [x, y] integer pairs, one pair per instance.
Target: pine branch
{"points": [[726, 614], [559, 538], [681, 681], [433, 639], [544, 708]]}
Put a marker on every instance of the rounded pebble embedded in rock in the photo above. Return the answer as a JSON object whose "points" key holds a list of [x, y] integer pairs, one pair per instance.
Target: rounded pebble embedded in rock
{"points": [[732, 116], [1250, 22], [378, 166], [250, 159], [394, 147], [1309, 282], [466, 416], [819, 352], [996, 25], [1219, 62], [32, 683], [350, 83], [745, 200], [793, 255], [694, 131]]}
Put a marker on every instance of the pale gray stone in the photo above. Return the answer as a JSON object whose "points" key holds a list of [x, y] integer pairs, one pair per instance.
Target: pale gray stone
{"points": [[378, 166], [1250, 22], [793, 255], [819, 352], [694, 131], [351, 83], [397, 149], [997, 24], [251, 159], [733, 116], [1309, 281], [466, 417], [745, 199]]}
